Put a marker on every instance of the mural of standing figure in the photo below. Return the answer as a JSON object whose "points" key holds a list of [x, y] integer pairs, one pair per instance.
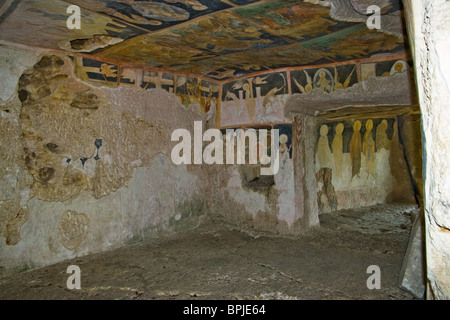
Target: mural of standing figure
{"points": [[355, 148], [369, 148], [250, 102], [337, 146], [382, 141], [284, 150], [323, 148]]}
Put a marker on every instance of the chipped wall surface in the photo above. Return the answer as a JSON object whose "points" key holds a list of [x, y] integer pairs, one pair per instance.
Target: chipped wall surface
{"points": [[160, 198], [253, 100], [78, 137], [85, 168], [189, 90], [15, 180], [255, 206], [429, 26], [13, 62], [251, 201], [242, 197]]}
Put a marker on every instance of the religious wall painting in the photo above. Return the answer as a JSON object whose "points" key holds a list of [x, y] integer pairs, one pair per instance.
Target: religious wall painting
{"points": [[130, 76], [258, 99], [241, 63], [209, 99], [96, 72], [388, 68], [218, 34], [383, 68], [220, 45], [225, 33], [323, 148], [347, 131], [326, 79], [326, 197], [348, 155], [337, 149], [191, 90], [382, 140], [361, 140], [285, 143], [219, 39], [368, 148], [157, 79], [355, 148]]}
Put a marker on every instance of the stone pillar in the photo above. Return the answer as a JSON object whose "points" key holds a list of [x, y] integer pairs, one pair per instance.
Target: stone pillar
{"points": [[428, 25], [304, 137]]}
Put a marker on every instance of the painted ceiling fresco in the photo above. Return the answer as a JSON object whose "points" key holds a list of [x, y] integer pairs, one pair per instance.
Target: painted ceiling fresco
{"points": [[216, 39]]}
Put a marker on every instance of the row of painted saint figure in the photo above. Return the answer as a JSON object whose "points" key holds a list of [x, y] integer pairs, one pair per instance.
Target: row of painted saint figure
{"points": [[358, 147]]}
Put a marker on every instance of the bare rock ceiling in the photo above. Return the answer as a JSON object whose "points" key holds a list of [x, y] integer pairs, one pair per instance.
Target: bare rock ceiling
{"points": [[217, 39]]}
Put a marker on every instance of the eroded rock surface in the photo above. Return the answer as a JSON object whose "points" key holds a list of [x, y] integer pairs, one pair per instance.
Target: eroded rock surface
{"points": [[62, 119]]}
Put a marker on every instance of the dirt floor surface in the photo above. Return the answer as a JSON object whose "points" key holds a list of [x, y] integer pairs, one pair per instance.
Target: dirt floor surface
{"points": [[216, 261]]}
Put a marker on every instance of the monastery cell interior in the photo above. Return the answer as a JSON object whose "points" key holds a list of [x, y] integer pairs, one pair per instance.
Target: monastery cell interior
{"points": [[350, 96]]}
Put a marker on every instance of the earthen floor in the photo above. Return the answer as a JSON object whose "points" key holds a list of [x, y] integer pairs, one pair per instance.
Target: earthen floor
{"points": [[216, 261]]}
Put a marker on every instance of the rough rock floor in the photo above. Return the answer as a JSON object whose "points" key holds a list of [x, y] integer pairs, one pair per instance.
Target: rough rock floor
{"points": [[215, 261]]}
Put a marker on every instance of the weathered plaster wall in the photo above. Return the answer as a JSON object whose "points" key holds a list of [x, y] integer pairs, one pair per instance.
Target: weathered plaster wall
{"points": [[15, 180], [189, 90], [267, 203], [85, 168], [429, 26], [305, 181], [254, 206]]}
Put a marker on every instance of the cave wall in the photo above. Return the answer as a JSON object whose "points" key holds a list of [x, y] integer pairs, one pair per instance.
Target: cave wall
{"points": [[428, 23], [85, 166], [86, 152]]}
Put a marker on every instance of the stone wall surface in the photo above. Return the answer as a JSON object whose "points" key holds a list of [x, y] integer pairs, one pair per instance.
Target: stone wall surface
{"points": [[86, 168], [429, 26], [255, 206]]}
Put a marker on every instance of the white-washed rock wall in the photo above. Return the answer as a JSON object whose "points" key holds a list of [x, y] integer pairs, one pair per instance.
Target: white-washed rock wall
{"points": [[87, 168], [429, 27]]}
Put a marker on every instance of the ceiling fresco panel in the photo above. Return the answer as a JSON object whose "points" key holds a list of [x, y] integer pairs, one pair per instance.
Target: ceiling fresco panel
{"points": [[292, 19], [217, 35], [242, 63], [43, 24], [217, 39], [354, 43], [154, 15], [241, 2]]}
